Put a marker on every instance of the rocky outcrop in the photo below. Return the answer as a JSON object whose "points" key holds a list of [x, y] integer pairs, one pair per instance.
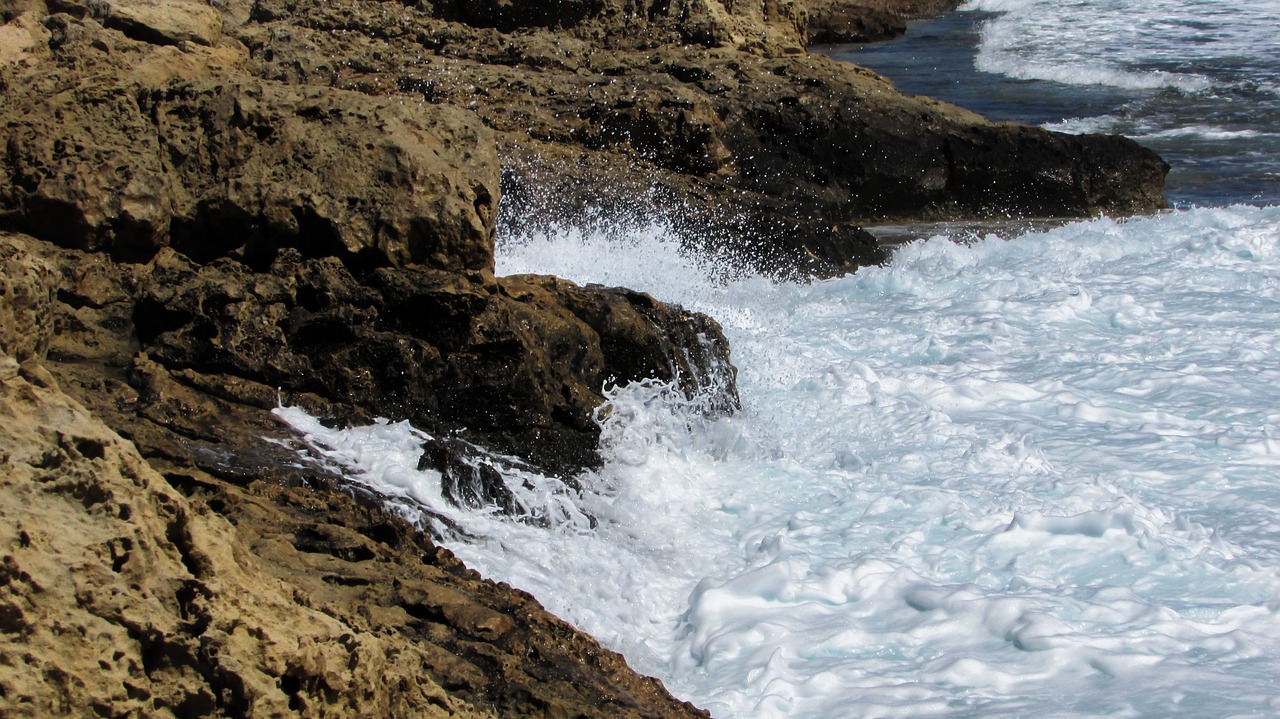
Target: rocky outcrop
{"points": [[517, 364], [767, 154], [319, 241], [209, 243], [709, 115], [138, 147], [850, 21]]}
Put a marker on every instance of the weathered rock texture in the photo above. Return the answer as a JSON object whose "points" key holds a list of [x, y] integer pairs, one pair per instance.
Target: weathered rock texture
{"points": [[125, 592], [517, 363], [204, 243], [709, 114], [319, 241], [845, 21], [137, 147]]}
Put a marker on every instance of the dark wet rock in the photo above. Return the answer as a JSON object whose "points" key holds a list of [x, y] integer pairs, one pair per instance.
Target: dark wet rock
{"points": [[195, 597], [857, 21], [516, 363], [751, 150]]}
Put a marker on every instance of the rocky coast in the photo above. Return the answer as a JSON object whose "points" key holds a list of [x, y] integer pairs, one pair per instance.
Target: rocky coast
{"points": [[208, 209]]}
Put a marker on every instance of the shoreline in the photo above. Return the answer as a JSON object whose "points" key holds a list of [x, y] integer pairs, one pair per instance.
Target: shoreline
{"points": [[210, 212]]}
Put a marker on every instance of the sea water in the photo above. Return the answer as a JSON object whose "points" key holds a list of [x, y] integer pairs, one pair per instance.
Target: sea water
{"points": [[1027, 476], [1015, 475], [1196, 80]]}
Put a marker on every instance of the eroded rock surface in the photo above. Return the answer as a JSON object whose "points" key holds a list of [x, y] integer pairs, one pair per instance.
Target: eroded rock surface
{"points": [[130, 147], [517, 364], [127, 592], [709, 116], [208, 243], [847, 21]]}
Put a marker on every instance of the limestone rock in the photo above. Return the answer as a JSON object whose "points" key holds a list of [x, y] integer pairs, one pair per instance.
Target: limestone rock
{"points": [[121, 597], [28, 287], [132, 162], [768, 157], [125, 592], [216, 574], [165, 22], [22, 39]]}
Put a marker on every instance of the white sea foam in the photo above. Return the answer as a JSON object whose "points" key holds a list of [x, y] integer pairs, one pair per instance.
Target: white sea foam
{"points": [[1128, 44], [1109, 123], [1029, 476]]}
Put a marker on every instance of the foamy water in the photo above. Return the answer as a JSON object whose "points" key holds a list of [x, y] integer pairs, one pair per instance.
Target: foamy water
{"points": [[1015, 476], [1029, 476]]}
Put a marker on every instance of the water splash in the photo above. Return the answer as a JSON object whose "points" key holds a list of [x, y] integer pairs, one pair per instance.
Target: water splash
{"points": [[1022, 475]]}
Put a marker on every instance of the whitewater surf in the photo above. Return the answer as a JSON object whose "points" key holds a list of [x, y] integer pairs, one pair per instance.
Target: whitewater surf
{"points": [[1008, 474]]}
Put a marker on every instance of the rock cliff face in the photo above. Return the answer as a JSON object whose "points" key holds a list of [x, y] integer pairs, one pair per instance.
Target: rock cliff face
{"points": [[208, 209]]}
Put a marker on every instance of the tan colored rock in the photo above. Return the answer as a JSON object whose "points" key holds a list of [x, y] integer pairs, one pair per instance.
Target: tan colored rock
{"points": [[115, 154], [708, 116], [28, 286], [121, 595], [22, 39], [165, 22], [127, 592]]}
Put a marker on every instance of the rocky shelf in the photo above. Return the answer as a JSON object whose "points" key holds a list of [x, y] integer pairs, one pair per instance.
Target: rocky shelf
{"points": [[206, 209]]}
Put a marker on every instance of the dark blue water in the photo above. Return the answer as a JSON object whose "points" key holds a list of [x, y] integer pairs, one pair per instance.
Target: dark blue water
{"points": [[1213, 115]]}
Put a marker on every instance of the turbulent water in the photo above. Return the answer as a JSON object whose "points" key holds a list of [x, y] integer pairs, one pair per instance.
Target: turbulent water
{"points": [[1033, 475]]}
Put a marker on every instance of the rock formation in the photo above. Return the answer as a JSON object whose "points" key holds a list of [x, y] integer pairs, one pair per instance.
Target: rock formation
{"points": [[208, 242], [773, 156], [206, 209], [769, 155], [313, 240], [128, 592], [850, 21]]}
